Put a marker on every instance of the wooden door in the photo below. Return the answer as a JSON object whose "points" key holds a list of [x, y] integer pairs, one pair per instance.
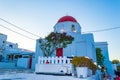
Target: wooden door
{"points": [[59, 52]]}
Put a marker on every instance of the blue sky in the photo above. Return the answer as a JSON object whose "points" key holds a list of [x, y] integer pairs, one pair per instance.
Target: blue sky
{"points": [[39, 17]]}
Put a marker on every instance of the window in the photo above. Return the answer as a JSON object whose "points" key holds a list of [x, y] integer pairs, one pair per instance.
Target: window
{"points": [[73, 28], [11, 46], [3, 41]]}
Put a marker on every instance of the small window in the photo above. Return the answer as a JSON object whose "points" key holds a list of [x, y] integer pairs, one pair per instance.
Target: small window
{"points": [[73, 28], [3, 41], [11, 46]]}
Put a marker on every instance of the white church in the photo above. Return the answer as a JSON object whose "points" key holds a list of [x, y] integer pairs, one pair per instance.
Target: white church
{"points": [[59, 62], [83, 44]]}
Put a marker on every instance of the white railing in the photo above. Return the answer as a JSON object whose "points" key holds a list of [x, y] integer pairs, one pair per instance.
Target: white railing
{"points": [[53, 60]]}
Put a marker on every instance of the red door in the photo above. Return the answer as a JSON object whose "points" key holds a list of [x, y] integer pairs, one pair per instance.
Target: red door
{"points": [[59, 52]]}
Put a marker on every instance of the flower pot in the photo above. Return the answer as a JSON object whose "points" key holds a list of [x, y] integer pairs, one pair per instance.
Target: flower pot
{"points": [[82, 72], [89, 72]]}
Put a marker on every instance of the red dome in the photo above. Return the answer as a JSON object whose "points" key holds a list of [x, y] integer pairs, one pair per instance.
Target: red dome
{"points": [[67, 18]]}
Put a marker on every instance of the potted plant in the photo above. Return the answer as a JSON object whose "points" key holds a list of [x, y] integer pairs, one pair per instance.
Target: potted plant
{"points": [[84, 66]]}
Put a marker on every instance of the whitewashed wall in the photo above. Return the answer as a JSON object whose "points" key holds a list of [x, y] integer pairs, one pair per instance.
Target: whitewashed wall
{"points": [[66, 27], [55, 65], [23, 62], [3, 38], [104, 47], [5, 65]]}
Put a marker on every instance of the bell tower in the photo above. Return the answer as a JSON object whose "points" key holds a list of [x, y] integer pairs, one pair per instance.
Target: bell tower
{"points": [[67, 24]]}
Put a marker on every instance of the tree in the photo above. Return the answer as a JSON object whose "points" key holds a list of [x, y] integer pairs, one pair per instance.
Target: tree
{"points": [[115, 61], [100, 58], [53, 41], [118, 68], [46, 47]]}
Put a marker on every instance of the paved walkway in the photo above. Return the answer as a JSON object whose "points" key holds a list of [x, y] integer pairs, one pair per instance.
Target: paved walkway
{"points": [[33, 76], [10, 71], [22, 74]]}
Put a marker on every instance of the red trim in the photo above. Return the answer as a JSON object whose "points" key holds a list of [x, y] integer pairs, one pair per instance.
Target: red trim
{"points": [[30, 62]]}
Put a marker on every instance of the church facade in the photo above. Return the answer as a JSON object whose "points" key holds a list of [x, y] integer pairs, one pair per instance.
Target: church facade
{"points": [[83, 44]]}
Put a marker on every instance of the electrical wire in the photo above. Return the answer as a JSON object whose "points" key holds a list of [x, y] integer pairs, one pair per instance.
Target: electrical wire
{"points": [[17, 32], [101, 30], [19, 27]]}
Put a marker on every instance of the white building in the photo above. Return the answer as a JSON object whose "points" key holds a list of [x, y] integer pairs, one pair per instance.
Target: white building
{"points": [[10, 51], [3, 38], [104, 50], [83, 44]]}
